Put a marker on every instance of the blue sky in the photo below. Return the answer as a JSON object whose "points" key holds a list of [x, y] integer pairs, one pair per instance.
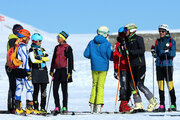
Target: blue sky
{"points": [[85, 16]]}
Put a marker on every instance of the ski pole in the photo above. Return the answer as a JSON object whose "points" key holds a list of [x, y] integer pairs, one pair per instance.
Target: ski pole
{"points": [[49, 94], [131, 70], [168, 80], [118, 82], [153, 74]]}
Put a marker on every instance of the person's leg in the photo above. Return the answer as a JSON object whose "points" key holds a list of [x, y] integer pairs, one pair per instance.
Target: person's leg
{"points": [[43, 95], [35, 95]]}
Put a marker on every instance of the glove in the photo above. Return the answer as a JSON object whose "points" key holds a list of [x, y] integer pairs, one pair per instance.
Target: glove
{"points": [[116, 74], [45, 59], [29, 77], [166, 50], [51, 74], [46, 55], [69, 75], [153, 50], [38, 57]]}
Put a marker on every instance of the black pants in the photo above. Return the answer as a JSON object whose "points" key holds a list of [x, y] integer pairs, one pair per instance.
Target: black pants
{"points": [[60, 77], [161, 76], [124, 90], [12, 88], [37, 86]]}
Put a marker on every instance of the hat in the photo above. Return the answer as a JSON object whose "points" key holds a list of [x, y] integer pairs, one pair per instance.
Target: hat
{"points": [[63, 35], [16, 28]]}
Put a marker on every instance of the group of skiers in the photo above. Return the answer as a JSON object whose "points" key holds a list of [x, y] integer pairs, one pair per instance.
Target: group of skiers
{"points": [[129, 69], [33, 74]]}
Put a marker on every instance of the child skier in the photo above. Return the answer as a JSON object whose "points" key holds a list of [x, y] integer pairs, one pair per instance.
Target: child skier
{"points": [[164, 52], [63, 64], [99, 52], [38, 59], [136, 50], [121, 66], [12, 80], [23, 74]]}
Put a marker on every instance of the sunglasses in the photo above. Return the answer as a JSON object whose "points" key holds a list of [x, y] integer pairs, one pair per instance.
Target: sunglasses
{"points": [[39, 41], [162, 31]]}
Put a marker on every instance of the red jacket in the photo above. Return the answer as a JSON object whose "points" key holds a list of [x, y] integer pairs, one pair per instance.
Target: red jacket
{"points": [[123, 59]]}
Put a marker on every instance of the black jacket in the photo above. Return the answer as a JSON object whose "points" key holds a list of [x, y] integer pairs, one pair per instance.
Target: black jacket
{"points": [[136, 48]]}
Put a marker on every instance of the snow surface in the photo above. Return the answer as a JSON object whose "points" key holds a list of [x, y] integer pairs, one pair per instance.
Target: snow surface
{"points": [[79, 90]]}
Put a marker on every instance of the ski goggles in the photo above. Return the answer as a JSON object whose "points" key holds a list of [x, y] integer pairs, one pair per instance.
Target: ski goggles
{"points": [[162, 31]]}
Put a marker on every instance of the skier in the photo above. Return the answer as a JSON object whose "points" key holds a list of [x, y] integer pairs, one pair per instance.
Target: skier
{"points": [[99, 52], [38, 59], [136, 50], [23, 74], [63, 64], [164, 52], [12, 79], [120, 60]]}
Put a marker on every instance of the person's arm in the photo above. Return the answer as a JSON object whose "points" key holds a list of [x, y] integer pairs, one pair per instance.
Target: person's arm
{"points": [[87, 53]]}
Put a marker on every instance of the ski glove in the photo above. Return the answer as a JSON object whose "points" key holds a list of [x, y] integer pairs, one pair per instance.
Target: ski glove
{"points": [[69, 75], [38, 57], [153, 50], [116, 74], [51, 74], [29, 77]]}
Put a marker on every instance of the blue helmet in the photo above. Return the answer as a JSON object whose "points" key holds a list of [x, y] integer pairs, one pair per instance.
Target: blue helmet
{"points": [[36, 37], [121, 30]]}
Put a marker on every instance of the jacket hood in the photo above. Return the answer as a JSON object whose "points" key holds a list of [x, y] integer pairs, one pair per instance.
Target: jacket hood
{"points": [[99, 39], [11, 36]]}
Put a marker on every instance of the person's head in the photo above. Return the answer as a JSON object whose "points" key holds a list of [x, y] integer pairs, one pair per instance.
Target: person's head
{"points": [[16, 28], [130, 28], [37, 39], [121, 35], [103, 30], [163, 30], [24, 35], [62, 36]]}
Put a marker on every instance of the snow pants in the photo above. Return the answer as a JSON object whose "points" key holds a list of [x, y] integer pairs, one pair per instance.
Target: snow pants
{"points": [[139, 77], [38, 86], [161, 76], [20, 82], [12, 88], [60, 77], [97, 92]]}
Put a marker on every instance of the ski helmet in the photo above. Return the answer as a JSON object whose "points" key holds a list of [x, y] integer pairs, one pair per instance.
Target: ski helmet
{"points": [[103, 30], [23, 33], [36, 36], [16, 28], [164, 26], [131, 26]]}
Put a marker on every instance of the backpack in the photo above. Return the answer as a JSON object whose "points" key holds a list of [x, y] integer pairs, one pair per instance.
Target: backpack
{"points": [[12, 60]]}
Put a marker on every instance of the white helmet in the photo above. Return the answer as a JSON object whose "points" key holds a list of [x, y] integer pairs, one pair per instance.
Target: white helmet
{"points": [[164, 26], [103, 30], [131, 26]]}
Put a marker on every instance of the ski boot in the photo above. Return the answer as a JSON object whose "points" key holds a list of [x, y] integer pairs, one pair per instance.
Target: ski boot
{"points": [[152, 104], [64, 110], [160, 109], [124, 107], [55, 111], [43, 111], [92, 107], [98, 108], [29, 108], [19, 110], [172, 108], [138, 108]]}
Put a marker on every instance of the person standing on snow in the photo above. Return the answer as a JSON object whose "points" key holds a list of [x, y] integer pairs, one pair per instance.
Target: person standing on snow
{"points": [[164, 52], [23, 74], [63, 64], [136, 49], [12, 79], [121, 66], [38, 59], [99, 52]]}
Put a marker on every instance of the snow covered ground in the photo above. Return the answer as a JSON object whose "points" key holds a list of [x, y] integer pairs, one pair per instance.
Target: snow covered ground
{"points": [[79, 90]]}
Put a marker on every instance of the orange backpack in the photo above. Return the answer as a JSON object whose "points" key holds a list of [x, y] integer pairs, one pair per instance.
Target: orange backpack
{"points": [[12, 60]]}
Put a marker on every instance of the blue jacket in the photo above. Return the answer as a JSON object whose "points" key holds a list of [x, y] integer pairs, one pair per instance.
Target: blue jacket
{"points": [[99, 52], [160, 53]]}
